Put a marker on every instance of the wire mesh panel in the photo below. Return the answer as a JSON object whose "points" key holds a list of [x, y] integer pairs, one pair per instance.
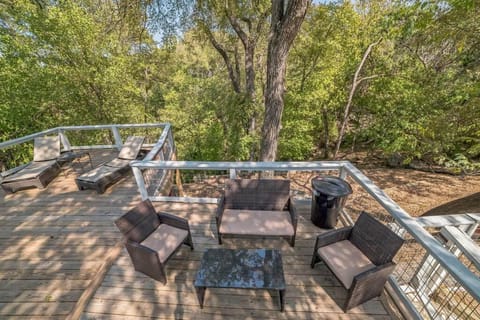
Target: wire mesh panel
{"points": [[432, 279], [160, 181], [434, 292], [153, 178]]}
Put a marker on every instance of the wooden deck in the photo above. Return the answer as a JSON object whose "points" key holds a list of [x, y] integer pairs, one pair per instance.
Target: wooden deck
{"points": [[54, 243]]}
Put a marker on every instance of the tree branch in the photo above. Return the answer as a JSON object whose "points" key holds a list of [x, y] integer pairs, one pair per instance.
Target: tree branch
{"points": [[368, 78], [355, 84], [236, 26], [231, 72]]}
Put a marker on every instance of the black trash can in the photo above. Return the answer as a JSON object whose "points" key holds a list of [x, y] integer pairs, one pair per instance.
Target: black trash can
{"points": [[329, 196]]}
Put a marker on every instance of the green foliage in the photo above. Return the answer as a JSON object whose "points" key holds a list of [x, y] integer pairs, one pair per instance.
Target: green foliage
{"points": [[210, 122], [89, 62], [459, 164]]}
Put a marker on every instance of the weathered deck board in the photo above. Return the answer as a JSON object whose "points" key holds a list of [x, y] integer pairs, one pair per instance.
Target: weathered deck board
{"points": [[311, 294], [54, 241]]}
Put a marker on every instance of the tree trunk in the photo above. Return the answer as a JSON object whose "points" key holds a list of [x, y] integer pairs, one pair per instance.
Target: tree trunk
{"points": [[287, 17], [250, 88], [250, 70], [355, 84], [276, 66], [327, 132], [249, 41]]}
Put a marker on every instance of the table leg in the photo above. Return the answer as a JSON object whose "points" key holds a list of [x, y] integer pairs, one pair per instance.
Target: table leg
{"points": [[89, 159], [200, 295], [281, 294]]}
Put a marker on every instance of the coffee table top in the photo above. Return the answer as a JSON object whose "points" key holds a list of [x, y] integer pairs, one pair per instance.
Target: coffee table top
{"points": [[242, 268]]}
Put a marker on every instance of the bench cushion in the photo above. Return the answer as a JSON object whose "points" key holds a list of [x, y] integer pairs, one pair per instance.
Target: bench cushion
{"points": [[256, 222], [98, 173], [46, 148], [131, 148], [32, 170], [117, 163], [345, 260], [165, 240]]}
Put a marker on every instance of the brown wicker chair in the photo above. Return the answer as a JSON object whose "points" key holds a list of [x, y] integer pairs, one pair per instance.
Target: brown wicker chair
{"points": [[257, 207], [359, 256], [151, 238], [38, 173]]}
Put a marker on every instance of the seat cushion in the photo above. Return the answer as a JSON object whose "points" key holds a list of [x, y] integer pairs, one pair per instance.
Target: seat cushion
{"points": [[256, 222], [98, 173], [165, 240], [117, 163], [46, 148], [131, 148], [32, 170], [345, 260]]}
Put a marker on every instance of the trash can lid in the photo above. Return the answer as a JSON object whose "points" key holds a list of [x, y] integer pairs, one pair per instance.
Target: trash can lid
{"points": [[332, 186]]}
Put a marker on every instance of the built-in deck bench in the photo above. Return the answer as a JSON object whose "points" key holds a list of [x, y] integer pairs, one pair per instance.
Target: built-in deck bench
{"points": [[257, 208]]}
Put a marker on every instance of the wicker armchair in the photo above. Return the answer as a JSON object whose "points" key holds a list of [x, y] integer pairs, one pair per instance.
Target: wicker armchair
{"points": [[151, 238], [359, 256]]}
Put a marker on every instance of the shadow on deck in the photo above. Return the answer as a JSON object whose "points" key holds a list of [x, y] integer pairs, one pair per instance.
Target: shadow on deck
{"points": [[54, 241]]}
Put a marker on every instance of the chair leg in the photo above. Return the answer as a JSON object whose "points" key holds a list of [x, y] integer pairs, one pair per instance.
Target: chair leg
{"points": [[292, 241], [189, 241], [219, 238], [315, 259]]}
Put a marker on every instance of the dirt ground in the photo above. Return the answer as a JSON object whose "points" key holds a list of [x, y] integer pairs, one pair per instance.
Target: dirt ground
{"points": [[417, 192], [422, 193]]}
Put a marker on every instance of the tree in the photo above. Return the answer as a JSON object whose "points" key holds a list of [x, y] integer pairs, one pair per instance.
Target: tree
{"points": [[318, 66], [286, 19], [223, 19]]}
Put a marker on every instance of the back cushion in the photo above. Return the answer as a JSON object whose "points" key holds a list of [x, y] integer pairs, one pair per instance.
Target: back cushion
{"points": [[378, 242], [131, 148], [253, 194], [139, 222], [46, 148]]}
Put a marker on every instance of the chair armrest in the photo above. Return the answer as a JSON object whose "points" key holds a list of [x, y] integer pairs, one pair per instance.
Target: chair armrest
{"points": [[332, 236], [146, 261], [293, 213], [173, 221], [220, 208], [141, 254], [368, 284], [7, 173], [378, 273]]}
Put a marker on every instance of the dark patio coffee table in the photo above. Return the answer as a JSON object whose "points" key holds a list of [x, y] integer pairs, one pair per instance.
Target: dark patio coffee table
{"points": [[241, 269]]}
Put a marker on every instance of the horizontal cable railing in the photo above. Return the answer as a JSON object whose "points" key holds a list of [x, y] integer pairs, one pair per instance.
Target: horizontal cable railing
{"points": [[89, 137], [436, 277], [421, 249]]}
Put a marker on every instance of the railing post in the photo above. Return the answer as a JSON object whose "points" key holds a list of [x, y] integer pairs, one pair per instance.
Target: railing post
{"points": [[170, 141], [343, 173], [63, 138], [137, 173], [117, 137], [233, 173]]}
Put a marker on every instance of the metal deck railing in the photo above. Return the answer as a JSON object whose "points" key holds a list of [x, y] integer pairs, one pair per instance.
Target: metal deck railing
{"points": [[437, 276], [425, 261]]}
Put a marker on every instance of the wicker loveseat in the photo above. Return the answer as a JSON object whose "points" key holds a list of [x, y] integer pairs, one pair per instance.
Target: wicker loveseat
{"points": [[261, 208]]}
